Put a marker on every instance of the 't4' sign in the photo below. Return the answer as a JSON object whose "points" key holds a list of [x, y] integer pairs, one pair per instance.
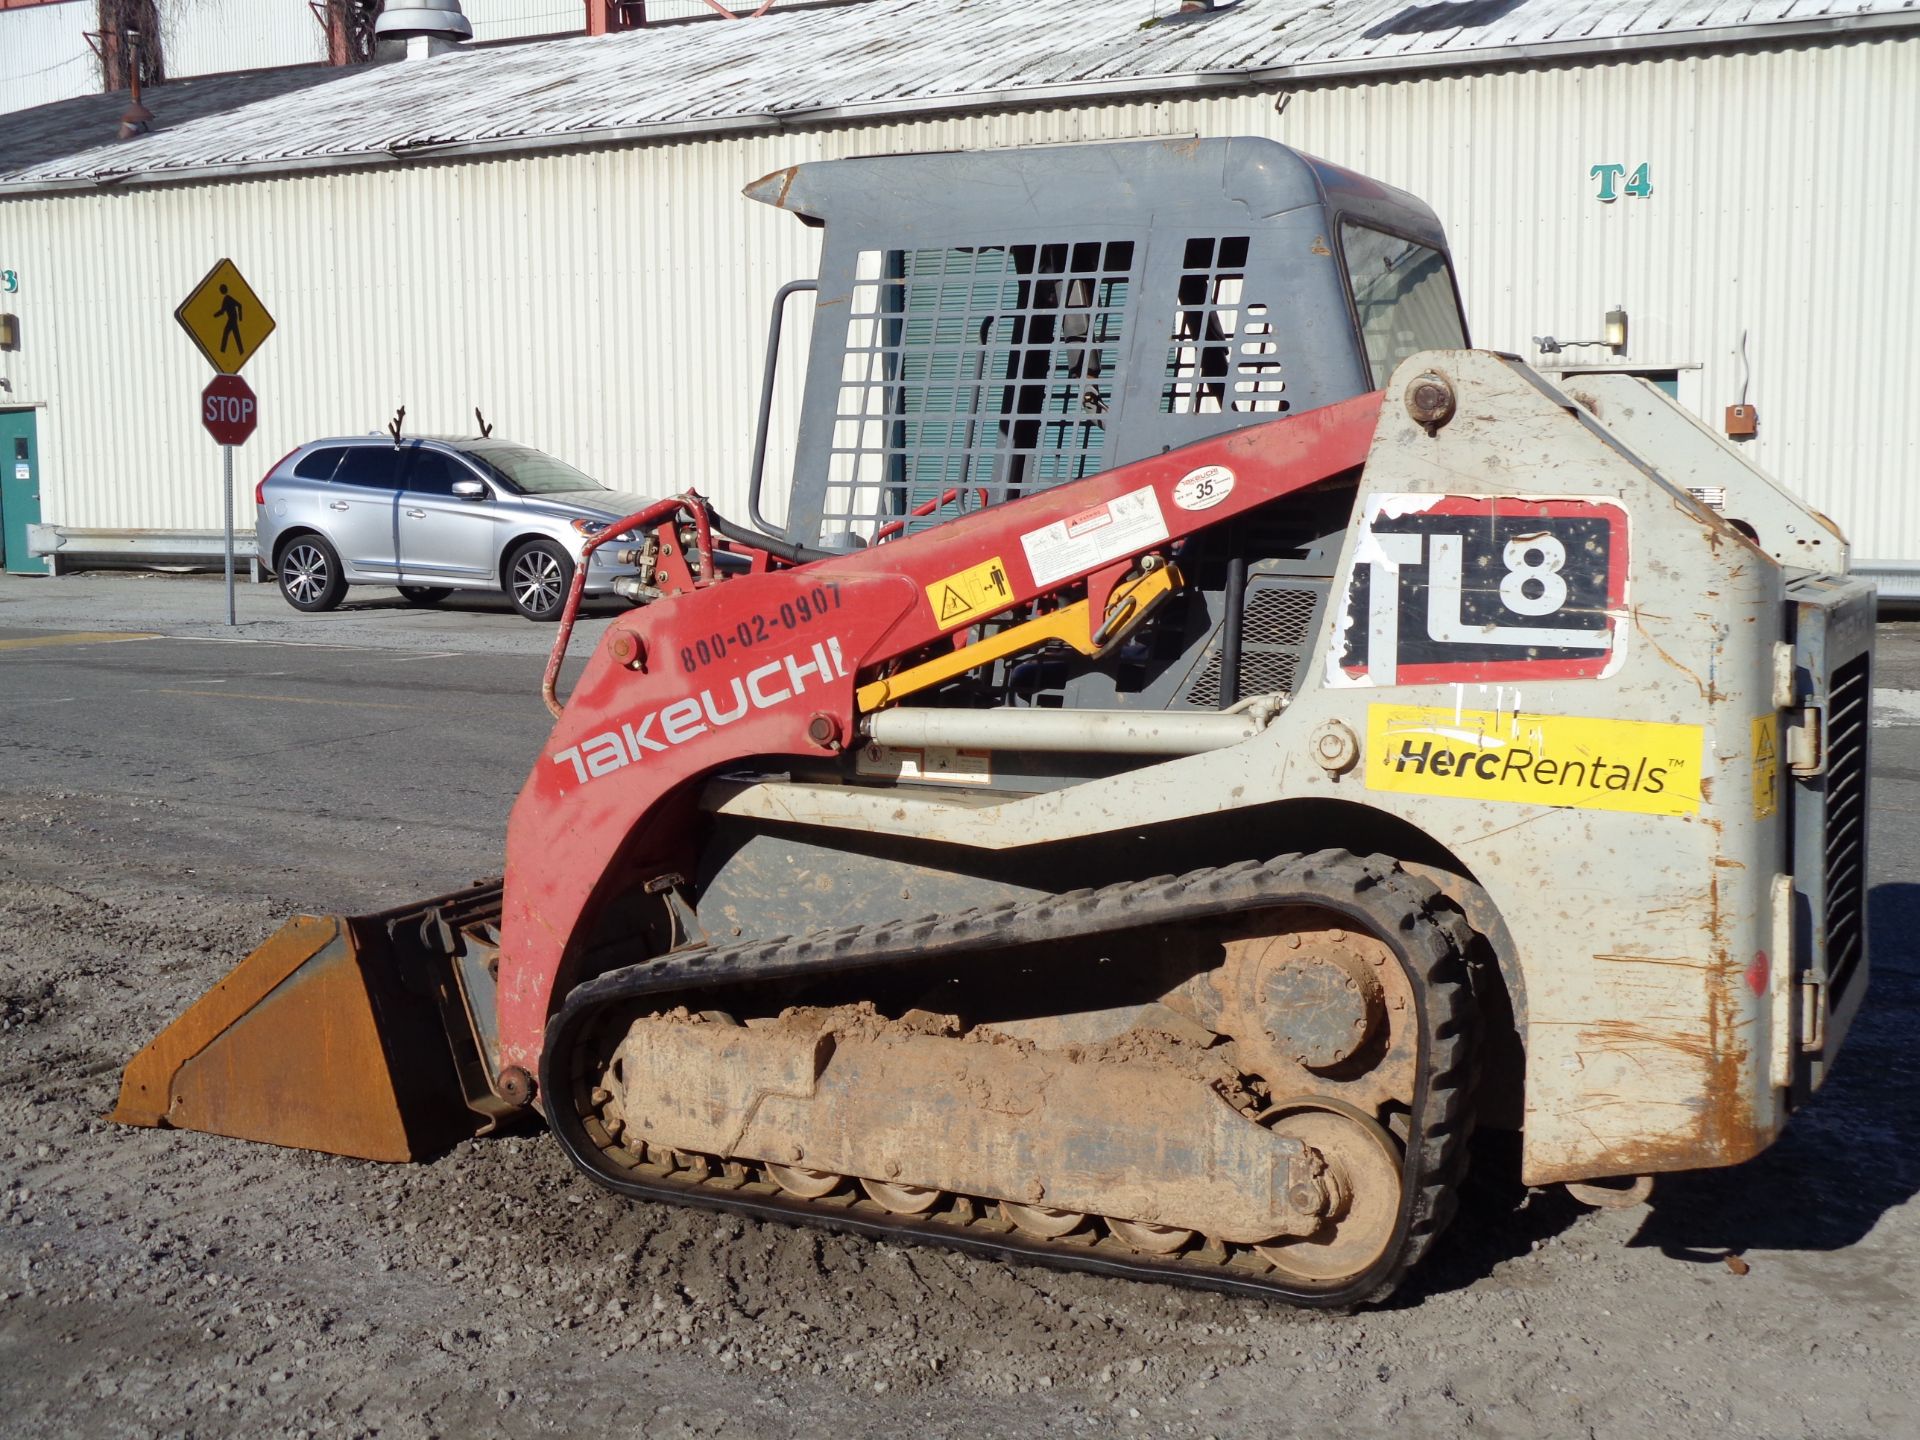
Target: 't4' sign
{"points": [[1639, 184], [228, 409]]}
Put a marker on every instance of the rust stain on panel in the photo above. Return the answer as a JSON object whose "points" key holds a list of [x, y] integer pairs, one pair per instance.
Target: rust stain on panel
{"points": [[1681, 962], [1706, 692]]}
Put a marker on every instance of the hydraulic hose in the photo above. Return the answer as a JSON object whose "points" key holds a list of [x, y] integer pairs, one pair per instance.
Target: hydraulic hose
{"points": [[784, 549]]}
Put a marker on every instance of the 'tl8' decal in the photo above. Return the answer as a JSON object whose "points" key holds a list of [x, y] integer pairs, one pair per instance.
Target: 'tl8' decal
{"points": [[1460, 588]]}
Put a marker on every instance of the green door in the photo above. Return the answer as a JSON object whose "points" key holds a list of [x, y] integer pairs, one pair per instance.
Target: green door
{"points": [[19, 492]]}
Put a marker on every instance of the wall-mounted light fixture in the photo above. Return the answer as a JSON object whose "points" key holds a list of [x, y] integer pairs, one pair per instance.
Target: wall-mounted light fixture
{"points": [[1614, 333]]}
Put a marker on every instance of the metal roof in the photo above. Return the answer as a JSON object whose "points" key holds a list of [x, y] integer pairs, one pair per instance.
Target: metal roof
{"points": [[881, 58]]}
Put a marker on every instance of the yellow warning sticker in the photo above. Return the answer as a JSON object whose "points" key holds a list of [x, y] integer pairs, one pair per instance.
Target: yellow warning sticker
{"points": [[1766, 765], [1645, 767], [980, 590]]}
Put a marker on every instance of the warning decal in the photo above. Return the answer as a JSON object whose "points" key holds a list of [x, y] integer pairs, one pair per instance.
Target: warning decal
{"points": [[980, 590], [1645, 767], [1766, 765], [1122, 526]]}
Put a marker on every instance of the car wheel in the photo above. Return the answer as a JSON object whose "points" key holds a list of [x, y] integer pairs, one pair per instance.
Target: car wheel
{"points": [[424, 594], [309, 574], [537, 579]]}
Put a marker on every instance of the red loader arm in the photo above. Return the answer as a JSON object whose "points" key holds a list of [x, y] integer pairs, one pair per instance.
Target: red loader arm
{"points": [[767, 665]]}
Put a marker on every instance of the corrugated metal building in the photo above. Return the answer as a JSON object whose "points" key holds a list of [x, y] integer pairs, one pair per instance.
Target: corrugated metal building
{"points": [[554, 232], [44, 55]]}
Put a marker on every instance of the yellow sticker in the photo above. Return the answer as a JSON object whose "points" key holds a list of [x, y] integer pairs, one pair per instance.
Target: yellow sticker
{"points": [[1766, 765], [1641, 766], [981, 590]]}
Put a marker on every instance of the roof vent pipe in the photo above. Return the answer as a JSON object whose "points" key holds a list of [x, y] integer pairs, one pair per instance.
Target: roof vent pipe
{"points": [[430, 27]]}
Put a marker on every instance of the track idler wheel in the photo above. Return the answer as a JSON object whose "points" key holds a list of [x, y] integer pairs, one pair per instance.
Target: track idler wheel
{"points": [[1359, 1190]]}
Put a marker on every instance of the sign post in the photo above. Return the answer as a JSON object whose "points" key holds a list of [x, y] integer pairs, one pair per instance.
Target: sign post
{"points": [[226, 478], [227, 323], [229, 411]]}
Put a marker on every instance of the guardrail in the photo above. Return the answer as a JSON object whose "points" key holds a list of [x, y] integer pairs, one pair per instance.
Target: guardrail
{"points": [[67, 548]]}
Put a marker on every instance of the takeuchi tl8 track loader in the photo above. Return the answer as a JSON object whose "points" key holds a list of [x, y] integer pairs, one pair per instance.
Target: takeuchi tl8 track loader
{"points": [[1196, 740]]}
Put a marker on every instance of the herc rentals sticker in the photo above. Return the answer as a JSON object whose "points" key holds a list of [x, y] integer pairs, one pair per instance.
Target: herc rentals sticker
{"points": [[1640, 766]]}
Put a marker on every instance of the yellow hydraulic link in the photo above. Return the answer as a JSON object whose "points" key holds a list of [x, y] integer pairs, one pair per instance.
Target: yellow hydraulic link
{"points": [[1132, 601]]}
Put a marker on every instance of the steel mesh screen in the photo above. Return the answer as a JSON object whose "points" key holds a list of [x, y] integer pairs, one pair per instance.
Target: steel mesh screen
{"points": [[974, 375], [1224, 357], [1274, 635]]}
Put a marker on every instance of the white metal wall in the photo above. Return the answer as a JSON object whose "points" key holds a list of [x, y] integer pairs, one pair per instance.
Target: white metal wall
{"points": [[658, 10], [43, 57], [211, 37], [208, 37], [512, 19], [611, 305], [1785, 205]]}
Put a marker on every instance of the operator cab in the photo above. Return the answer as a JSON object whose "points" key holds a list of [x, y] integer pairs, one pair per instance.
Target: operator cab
{"points": [[992, 324]]}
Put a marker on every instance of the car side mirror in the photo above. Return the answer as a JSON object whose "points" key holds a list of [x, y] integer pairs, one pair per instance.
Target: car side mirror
{"points": [[469, 490]]}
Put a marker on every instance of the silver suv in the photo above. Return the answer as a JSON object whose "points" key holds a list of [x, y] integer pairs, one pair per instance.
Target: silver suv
{"points": [[431, 516]]}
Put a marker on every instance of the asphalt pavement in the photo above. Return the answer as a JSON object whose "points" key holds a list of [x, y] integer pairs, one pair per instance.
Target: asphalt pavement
{"points": [[286, 736], [429, 715], [194, 605]]}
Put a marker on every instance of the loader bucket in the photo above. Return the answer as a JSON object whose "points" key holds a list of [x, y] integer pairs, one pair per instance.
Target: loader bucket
{"points": [[354, 1035]]}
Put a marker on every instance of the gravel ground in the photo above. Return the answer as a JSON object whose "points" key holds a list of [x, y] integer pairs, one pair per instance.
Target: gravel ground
{"points": [[166, 1283]]}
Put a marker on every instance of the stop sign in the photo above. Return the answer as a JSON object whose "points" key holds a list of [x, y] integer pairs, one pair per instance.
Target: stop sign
{"points": [[228, 409]]}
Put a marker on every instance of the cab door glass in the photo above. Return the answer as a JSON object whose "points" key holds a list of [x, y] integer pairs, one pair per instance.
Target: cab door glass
{"points": [[1403, 296]]}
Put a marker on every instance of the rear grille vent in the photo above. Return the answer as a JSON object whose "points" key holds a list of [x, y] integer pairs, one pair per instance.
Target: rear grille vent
{"points": [[1275, 632], [1259, 675], [1848, 713]]}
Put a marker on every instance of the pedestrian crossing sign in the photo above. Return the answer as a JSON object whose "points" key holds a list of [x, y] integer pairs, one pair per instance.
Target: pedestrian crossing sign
{"points": [[225, 318]]}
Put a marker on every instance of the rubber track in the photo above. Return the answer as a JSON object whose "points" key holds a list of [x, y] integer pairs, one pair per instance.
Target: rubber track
{"points": [[1429, 936]]}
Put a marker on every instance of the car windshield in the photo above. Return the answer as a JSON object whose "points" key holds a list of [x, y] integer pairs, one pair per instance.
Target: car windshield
{"points": [[530, 471]]}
